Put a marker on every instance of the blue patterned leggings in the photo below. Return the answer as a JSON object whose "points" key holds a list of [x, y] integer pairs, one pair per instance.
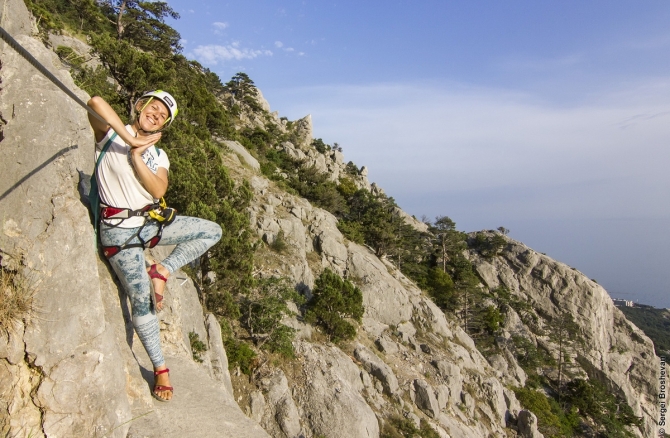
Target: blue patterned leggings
{"points": [[193, 236]]}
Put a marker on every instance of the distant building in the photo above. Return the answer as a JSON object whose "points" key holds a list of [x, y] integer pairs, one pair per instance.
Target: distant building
{"points": [[624, 303]]}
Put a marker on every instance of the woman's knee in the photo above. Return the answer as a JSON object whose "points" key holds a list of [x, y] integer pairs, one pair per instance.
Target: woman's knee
{"points": [[217, 232]]}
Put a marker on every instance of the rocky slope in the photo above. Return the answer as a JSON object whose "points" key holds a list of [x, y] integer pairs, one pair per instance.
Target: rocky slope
{"points": [[76, 368]]}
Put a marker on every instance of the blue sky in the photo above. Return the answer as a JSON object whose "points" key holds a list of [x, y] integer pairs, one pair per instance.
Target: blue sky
{"points": [[549, 118]]}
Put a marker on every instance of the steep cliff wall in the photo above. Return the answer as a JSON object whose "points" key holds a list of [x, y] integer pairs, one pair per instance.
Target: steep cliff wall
{"points": [[614, 352], [75, 367]]}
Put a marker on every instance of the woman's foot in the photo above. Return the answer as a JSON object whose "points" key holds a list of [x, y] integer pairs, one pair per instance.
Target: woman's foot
{"points": [[162, 390], [159, 275]]}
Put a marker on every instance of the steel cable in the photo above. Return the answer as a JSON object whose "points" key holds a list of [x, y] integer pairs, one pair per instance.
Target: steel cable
{"points": [[35, 63]]}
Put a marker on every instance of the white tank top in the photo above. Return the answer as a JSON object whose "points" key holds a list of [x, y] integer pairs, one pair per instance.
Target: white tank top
{"points": [[117, 183]]}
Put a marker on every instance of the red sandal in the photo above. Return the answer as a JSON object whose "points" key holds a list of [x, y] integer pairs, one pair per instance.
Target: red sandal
{"points": [[153, 273], [161, 387]]}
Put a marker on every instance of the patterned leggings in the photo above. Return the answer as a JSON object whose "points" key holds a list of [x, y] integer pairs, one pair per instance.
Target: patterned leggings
{"points": [[193, 236]]}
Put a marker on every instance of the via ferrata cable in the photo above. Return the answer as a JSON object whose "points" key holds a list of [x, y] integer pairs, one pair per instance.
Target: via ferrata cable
{"points": [[35, 63]]}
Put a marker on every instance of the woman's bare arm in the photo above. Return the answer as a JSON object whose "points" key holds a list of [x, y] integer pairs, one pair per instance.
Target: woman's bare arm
{"points": [[101, 107]]}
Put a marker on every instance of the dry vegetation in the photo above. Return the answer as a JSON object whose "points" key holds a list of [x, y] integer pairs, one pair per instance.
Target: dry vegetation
{"points": [[16, 299]]}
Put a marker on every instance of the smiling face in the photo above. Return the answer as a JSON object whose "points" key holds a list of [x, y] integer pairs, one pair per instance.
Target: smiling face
{"points": [[152, 117]]}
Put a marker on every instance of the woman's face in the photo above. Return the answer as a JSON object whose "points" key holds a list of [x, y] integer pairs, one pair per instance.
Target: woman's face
{"points": [[153, 117]]}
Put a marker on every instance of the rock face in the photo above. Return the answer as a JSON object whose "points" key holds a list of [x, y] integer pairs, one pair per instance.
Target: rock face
{"points": [[619, 353], [76, 368]]}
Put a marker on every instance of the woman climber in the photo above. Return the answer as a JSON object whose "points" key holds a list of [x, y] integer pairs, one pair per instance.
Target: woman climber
{"points": [[132, 176]]}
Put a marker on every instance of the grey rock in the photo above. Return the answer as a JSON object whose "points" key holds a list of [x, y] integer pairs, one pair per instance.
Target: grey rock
{"points": [[217, 353], [303, 132], [527, 424], [257, 405], [442, 395], [553, 287], [425, 398], [331, 402], [414, 418], [386, 345], [468, 402], [406, 330], [285, 411], [244, 153], [375, 366]]}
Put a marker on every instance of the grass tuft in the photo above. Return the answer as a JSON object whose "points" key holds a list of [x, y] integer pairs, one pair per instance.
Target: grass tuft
{"points": [[16, 299]]}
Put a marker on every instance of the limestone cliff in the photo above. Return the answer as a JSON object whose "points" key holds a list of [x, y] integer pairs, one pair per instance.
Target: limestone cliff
{"points": [[75, 368]]}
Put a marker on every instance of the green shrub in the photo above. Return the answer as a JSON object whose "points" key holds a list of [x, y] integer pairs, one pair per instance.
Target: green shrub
{"points": [[334, 300], [279, 243], [197, 346], [320, 146], [263, 310], [548, 414], [487, 245], [399, 427], [239, 354]]}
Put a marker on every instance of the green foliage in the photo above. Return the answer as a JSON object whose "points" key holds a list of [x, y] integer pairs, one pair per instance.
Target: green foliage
{"points": [[442, 290], [263, 310], [529, 356], [399, 427], [552, 421], [351, 169], [279, 243], [655, 323], [320, 146], [489, 245], [334, 301], [243, 92], [74, 15], [142, 24], [346, 187], [69, 56], [240, 355], [609, 412], [197, 346], [492, 319]]}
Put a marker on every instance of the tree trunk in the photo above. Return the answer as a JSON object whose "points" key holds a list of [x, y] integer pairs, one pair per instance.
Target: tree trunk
{"points": [[119, 24]]}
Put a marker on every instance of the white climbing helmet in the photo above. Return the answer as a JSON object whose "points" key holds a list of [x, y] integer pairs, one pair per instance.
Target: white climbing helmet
{"points": [[164, 97]]}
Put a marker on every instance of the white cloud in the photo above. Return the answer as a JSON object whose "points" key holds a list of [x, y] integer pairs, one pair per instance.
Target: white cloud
{"points": [[213, 54], [280, 45], [506, 152], [220, 25]]}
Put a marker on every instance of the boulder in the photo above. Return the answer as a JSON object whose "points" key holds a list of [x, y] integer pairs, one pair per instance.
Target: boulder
{"points": [[331, 401], [527, 424], [375, 366], [425, 398], [244, 153]]}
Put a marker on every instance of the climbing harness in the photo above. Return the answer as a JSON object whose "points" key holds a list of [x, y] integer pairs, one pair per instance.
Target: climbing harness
{"points": [[158, 212]]}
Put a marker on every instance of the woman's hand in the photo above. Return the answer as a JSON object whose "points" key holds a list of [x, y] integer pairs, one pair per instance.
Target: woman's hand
{"points": [[143, 141]]}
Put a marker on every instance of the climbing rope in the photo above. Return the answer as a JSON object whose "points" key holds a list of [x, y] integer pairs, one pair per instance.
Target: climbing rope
{"points": [[35, 63]]}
